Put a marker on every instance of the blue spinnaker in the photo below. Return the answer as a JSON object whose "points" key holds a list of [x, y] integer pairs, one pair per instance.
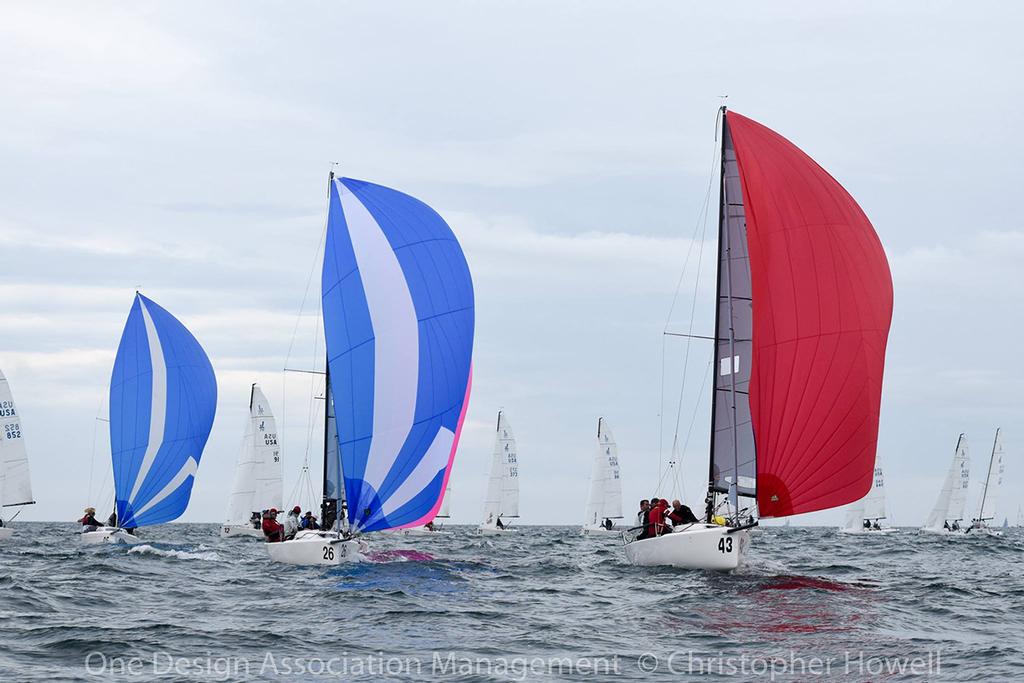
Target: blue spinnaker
{"points": [[163, 396]]}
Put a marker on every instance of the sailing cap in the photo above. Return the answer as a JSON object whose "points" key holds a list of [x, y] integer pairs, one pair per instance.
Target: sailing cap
{"points": [[296, 509], [273, 511]]}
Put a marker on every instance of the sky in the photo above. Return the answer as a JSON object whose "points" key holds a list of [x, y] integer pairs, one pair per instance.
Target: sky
{"points": [[183, 149]]}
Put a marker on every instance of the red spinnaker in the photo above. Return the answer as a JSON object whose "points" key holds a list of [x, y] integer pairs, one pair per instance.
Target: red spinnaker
{"points": [[822, 304]]}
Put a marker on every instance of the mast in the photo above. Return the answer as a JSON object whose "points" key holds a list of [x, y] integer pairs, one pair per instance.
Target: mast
{"points": [[327, 405], [988, 477], [710, 498]]}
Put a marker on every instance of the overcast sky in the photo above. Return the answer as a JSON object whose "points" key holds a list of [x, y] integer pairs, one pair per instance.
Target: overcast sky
{"points": [[184, 148]]}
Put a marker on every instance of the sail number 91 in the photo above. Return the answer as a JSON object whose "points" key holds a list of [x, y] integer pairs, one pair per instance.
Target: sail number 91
{"points": [[725, 544]]}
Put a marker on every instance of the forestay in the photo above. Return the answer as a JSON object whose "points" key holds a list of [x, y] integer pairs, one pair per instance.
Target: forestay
{"points": [[503, 487], [398, 317], [258, 480], [605, 500], [15, 484], [163, 396]]}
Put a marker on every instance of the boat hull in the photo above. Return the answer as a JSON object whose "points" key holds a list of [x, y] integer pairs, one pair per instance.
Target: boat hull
{"points": [[491, 530], [317, 548], [599, 531], [110, 535], [942, 532], [243, 530], [868, 532], [699, 546], [6, 532]]}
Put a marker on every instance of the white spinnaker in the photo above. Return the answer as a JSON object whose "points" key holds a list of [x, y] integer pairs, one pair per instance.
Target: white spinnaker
{"points": [[994, 479], [258, 482], [605, 501], [15, 484], [503, 488], [953, 497]]}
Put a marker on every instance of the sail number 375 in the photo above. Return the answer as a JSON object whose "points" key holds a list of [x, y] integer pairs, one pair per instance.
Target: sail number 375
{"points": [[725, 544]]}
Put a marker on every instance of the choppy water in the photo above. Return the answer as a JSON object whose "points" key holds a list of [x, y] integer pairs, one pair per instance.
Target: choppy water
{"points": [[542, 603]]}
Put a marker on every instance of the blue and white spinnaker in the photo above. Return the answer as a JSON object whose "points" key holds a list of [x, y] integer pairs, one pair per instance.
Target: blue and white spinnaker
{"points": [[163, 396], [398, 317]]}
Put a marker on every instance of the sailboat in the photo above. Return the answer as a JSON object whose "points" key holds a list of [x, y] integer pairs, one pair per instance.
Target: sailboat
{"points": [[432, 526], [163, 396], [804, 304], [864, 517], [15, 484], [605, 501], [502, 502], [258, 481], [990, 492], [398, 316], [948, 514]]}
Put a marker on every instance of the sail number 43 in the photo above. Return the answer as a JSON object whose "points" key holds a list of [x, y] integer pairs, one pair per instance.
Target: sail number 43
{"points": [[725, 544]]}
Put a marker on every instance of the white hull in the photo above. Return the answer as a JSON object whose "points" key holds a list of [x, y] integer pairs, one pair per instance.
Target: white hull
{"points": [[317, 548], [419, 531], [109, 534], [6, 532], [942, 532], [885, 531], [700, 546], [490, 529], [232, 530], [598, 530]]}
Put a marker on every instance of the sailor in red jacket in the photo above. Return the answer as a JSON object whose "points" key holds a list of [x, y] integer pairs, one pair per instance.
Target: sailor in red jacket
{"points": [[272, 529]]}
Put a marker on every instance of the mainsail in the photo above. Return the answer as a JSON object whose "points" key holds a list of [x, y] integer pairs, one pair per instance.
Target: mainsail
{"points": [[258, 478], [800, 339], [503, 487], [870, 507], [163, 396], [15, 485], [398, 318], [993, 480], [953, 496], [605, 500]]}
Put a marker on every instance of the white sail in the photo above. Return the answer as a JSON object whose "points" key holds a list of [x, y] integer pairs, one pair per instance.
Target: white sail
{"points": [[871, 506], [953, 497], [15, 484], [993, 480], [605, 500], [258, 472], [503, 488], [443, 512]]}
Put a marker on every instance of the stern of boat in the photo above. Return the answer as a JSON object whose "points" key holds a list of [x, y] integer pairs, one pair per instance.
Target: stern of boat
{"points": [[698, 546]]}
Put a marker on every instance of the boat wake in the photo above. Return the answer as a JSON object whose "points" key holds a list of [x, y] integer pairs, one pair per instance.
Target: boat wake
{"points": [[399, 556], [198, 554]]}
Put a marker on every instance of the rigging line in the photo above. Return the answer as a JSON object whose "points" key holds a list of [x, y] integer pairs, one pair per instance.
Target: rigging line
{"points": [[701, 224], [693, 310]]}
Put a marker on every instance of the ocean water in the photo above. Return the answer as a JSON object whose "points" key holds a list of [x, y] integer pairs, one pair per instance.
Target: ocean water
{"points": [[542, 603]]}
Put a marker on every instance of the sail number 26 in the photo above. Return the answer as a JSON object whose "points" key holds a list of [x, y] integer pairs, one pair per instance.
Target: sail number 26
{"points": [[725, 544]]}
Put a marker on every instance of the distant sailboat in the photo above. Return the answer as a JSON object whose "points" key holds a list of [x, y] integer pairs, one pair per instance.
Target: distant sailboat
{"points": [[948, 514], [15, 484], [398, 316], [804, 304], [865, 516], [433, 526], [990, 492], [502, 502], [258, 480], [163, 396], [604, 503]]}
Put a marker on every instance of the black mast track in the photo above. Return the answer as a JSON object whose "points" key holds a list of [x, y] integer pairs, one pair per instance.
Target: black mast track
{"points": [[710, 500], [327, 394]]}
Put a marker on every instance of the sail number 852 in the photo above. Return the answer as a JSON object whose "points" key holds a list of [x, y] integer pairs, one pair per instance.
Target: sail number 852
{"points": [[725, 544]]}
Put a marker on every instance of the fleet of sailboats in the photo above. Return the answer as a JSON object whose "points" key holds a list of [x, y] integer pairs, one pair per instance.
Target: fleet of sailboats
{"points": [[163, 397], [502, 502], [803, 307], [258, 481], [604, 504], [15, 482]]}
